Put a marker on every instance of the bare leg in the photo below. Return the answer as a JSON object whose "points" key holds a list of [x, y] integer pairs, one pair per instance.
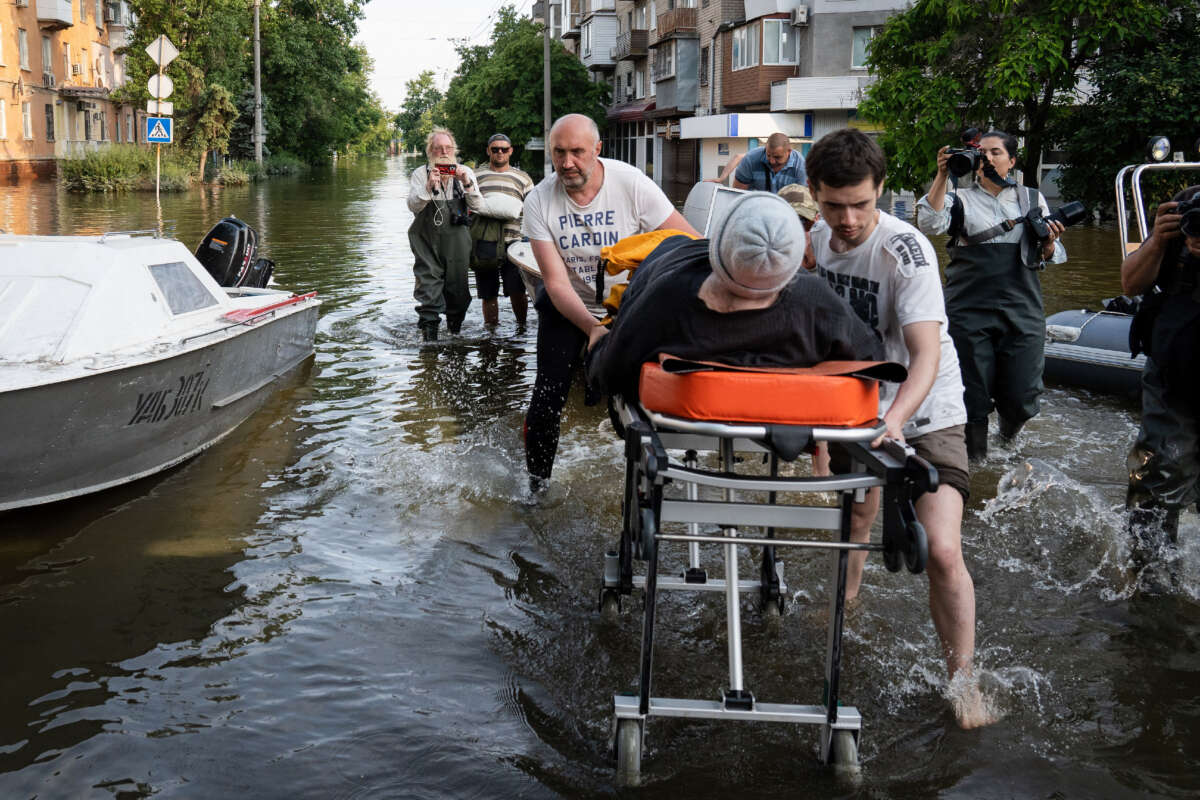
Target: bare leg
{"points": [[491, 311], [952, 602], [862, 515], [520, 306]]}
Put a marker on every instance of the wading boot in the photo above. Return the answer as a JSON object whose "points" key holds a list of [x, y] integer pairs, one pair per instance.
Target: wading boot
{"points": [[976, 433], [429, 331], [1010, 429], [454, 325]]}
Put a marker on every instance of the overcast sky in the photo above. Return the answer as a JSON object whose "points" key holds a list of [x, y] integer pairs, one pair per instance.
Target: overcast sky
{"points": [[405, 37]]}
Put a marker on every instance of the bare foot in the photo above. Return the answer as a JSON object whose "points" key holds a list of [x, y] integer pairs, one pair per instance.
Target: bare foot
{"points": [[971, 708]]}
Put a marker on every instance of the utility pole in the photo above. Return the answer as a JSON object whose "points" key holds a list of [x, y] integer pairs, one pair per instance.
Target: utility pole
{"points": [[546, 88], [258, 129]]}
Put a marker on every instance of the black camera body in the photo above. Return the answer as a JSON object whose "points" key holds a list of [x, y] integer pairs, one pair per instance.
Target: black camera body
{"points": [[1068, 215], [460, 217], [963, 160], [1189, 213]]}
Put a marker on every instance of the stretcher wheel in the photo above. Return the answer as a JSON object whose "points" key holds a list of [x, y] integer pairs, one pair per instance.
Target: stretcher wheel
{"points": [[843, 750], [916, 547], [629, 752], [647, 533], [610, 605]]}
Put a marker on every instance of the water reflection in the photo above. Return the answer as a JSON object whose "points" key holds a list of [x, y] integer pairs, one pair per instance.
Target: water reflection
{"points": [[349, 599]]}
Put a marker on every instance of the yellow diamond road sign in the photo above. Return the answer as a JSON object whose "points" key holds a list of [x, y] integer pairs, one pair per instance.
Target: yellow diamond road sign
{"points": [[162, 52]]}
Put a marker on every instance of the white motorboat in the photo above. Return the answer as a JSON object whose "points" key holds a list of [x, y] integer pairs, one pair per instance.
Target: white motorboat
{"points": [[121, 355]]}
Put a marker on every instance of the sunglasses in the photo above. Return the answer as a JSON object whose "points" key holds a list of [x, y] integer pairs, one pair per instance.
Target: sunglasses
{"points": [[501, 149]]}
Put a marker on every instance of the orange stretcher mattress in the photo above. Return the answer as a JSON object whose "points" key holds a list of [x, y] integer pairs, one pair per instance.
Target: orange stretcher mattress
{"points": [[792, 397]]}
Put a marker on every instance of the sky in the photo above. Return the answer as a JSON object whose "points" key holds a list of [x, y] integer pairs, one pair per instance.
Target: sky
{"points": [[405, 37]]}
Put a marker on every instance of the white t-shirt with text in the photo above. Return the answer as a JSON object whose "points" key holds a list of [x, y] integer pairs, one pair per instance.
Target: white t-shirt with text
{"points": [[628, 203], [891, 280]]}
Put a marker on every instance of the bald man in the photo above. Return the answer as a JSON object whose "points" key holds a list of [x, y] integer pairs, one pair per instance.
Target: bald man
{"points": [[771, 167], [588, 203]]}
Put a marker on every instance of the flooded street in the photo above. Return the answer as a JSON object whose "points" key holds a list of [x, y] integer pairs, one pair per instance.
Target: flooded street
{"points": [[350, 598]]}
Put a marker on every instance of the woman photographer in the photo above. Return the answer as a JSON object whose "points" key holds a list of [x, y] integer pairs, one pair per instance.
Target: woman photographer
{"points": [[439, 195], [993, 291]]}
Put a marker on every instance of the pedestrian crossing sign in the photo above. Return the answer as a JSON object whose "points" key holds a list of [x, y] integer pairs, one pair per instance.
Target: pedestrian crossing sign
{"points": [[158, 130]]}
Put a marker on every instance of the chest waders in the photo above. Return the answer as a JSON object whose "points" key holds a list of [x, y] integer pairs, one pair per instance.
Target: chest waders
{"points": [[994, 307], [441, 253], [1164, 463]]}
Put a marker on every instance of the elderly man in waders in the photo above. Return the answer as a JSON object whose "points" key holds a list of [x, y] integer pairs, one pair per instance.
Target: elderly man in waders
{"points": [[439, 195]]}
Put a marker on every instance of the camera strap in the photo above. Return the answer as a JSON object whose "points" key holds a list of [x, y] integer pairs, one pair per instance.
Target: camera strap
{"points": [[1004, 226]]}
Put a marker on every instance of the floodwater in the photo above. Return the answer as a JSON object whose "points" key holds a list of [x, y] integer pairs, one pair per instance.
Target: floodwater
{"points": [[349, 598]]}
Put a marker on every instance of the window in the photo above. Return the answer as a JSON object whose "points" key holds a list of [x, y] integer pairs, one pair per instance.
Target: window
{"points": [[99, 9], [47, 57], [3, 121], [49, 122], [779, 47], [26, 120], [745, 47], [66, 61], [2, 46], [639, 83], [664, 62], [183, 291], [861, 46], [639, 17], [704, 65], [587, 38], [23, 47]]}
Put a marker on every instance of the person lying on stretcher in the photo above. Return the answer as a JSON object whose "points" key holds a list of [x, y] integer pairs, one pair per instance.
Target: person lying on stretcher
{"points": [[737, 297]]}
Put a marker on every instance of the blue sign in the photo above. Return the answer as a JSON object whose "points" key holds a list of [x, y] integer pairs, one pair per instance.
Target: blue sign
{"points": [[158, 130]]}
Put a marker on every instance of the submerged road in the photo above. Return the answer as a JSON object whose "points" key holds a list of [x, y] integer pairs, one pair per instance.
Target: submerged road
{"points": [[349, 599]]}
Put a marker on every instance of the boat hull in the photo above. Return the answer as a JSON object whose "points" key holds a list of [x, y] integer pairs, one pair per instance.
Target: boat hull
{"points": [[521, 254], [86, 434], [1090, 350]]}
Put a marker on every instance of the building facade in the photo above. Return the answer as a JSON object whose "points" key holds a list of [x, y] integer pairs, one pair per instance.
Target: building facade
{"points": [[57, 70], [696, 83]]}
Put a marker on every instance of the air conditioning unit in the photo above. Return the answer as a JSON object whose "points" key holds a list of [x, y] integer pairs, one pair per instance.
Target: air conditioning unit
{"points": [[76, 69], [628, 95], [22, 3], [800, 16]]}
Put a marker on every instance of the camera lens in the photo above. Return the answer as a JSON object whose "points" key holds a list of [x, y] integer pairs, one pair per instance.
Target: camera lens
{"points": [[1189, 224]]}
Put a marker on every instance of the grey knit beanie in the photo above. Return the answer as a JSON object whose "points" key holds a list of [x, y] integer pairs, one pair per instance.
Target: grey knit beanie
{"points": [[756, 246]]}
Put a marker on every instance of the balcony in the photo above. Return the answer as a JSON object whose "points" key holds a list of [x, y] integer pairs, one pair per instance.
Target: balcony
{"points": [[837, 92], [572, 29], [54, 15], [675, 22], [630, 45]]}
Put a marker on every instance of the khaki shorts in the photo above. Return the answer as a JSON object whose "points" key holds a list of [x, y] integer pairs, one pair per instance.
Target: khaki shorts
{"points": [[945, 449]]}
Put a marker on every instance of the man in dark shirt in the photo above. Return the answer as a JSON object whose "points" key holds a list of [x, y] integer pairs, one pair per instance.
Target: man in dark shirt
{"points": [[736, 298]]}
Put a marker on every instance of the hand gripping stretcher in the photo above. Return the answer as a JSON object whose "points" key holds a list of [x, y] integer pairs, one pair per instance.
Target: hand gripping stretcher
{"points": [[775, 414]]}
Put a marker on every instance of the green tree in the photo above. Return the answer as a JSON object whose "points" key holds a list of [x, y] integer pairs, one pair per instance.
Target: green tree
{"points": [[1145, 86], [422, 110], [213, 64], [945, 65], [499, 87]]}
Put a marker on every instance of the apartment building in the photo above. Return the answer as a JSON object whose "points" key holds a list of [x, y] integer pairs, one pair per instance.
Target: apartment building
{"points": [[57, 70]]}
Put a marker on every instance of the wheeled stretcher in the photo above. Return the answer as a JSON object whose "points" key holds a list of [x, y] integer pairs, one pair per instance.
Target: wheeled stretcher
{"points": [[768, 416]]}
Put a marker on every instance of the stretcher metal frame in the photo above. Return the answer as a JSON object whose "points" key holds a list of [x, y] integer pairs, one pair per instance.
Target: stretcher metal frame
{"points": [[648, 436]]}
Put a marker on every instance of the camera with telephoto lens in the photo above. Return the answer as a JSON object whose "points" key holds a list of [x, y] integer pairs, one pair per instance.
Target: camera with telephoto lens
{"points": [[1068, 215], [1189, 213], [965, 160]]}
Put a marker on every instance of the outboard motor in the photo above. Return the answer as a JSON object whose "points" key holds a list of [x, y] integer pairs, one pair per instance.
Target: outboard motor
{"points": [[228, 253]]}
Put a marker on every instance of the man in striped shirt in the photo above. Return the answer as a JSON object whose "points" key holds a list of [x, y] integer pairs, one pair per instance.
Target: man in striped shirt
{"points": [[503, 187]]}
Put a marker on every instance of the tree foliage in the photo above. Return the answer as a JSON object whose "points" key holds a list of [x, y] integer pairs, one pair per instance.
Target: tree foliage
{"points": [[499, 88], [423, 108], [1145, 86], [316, 98], [945, 65]]}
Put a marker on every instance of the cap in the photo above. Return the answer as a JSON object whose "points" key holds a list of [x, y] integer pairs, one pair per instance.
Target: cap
{"points": [[801, 200], [756, 246], [499, 137]]}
